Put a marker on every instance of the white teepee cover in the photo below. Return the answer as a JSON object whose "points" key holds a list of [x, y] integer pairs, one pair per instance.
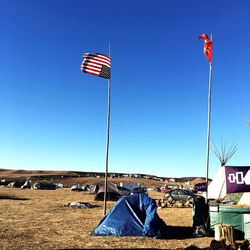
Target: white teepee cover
{"points": [[245, 199], [217, 187]]}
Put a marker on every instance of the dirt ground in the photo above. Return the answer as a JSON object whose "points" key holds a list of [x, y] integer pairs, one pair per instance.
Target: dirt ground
{"points": [[38, 219]]}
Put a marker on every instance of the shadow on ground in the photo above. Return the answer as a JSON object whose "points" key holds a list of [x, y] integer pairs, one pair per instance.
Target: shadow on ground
{"points": [[175, 232], [9, 197]]}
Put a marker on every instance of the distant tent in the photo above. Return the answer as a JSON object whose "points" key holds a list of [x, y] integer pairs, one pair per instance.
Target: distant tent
{"points": [[27, 184], [130, 185], [4, 182], [16, 184], [113, 193], [44, 186], [135, 215], [81, 187], [93, 189], [76, 187]]}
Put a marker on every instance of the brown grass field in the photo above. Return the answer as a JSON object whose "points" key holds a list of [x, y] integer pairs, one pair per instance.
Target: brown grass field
{"points": [[38, 219]]}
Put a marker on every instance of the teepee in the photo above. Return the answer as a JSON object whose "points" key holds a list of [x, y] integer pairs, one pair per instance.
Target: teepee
{"points": [[217, 187], [245, 199]]}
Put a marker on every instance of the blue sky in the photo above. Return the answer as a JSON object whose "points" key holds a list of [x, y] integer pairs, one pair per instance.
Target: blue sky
{"points": [[54, 117]]}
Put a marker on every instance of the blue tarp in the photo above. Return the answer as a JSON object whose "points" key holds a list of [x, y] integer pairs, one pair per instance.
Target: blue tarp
{"points": [[135, 215]]}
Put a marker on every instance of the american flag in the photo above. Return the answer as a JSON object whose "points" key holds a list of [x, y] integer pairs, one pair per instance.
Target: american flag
{"points": [[96, 64]]}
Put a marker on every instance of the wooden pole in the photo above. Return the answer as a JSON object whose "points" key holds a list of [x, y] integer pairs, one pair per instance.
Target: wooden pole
{"points": [[107, 146]]}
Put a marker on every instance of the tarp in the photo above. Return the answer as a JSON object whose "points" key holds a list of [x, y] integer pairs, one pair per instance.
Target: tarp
{"points": [[135, 215]]}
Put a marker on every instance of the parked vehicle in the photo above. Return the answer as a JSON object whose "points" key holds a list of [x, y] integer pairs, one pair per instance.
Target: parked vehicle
{"points": [[179, 194], [165, 189], [139, 190], [194, 190]]}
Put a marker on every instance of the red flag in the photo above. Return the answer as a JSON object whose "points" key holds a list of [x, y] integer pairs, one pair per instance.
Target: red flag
{"points": [[207, 47]]}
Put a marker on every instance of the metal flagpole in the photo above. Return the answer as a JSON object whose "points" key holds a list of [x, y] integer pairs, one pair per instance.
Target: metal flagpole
{"points": [[208, 124], [107, 146]]}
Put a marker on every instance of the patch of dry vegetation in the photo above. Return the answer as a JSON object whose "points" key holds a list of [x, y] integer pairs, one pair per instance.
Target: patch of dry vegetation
{"points": [[38, 219], [42, 222]]}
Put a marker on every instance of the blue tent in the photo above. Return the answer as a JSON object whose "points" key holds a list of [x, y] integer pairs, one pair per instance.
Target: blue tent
{"points": [[135, 215]]}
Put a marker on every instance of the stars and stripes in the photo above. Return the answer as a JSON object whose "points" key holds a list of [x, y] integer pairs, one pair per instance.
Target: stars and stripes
{"points": [[96, 64]]}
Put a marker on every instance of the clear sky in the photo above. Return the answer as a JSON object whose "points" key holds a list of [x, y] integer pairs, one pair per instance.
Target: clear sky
{"points": [[53, 116]]}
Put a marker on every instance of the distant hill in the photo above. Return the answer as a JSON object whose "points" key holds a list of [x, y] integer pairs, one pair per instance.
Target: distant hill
{"points": [[73, 177], [10, 173]]}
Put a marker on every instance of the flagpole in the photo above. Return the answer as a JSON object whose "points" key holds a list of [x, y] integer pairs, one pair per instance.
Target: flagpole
{"points": [[107, 146], [208, 124]]}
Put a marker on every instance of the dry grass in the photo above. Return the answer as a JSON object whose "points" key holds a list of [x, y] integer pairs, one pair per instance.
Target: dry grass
{"points": [[38, 219], [42, 222]]}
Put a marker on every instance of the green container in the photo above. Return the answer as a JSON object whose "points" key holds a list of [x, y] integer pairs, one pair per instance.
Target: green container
{"points": [[237, 217], [247, 226]]}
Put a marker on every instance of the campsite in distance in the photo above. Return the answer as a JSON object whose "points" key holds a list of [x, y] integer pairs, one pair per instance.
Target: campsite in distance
{"points": [[70, 204]]}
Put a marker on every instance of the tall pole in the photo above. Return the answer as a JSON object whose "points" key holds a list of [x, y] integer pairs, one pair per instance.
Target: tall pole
{"points": [[107, 146], [208, 124]]}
